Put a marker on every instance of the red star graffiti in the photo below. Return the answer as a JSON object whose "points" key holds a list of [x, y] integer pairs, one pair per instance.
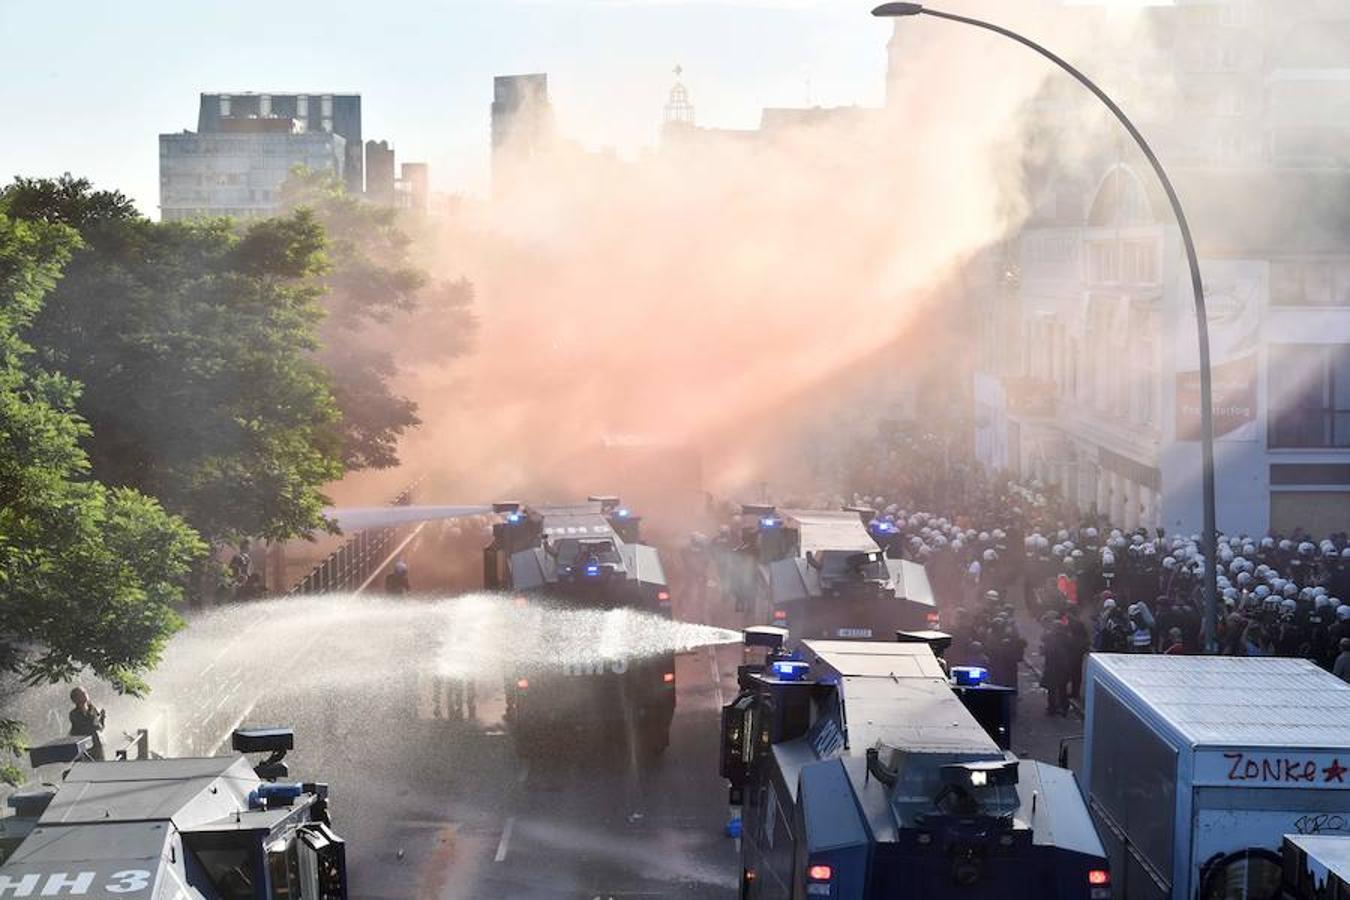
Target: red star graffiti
{"points": [[1335, 771]]}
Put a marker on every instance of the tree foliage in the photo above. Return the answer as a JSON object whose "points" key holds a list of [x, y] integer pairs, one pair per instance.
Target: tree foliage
{"points": [[194, 343], [89, 575], [385, 316]]}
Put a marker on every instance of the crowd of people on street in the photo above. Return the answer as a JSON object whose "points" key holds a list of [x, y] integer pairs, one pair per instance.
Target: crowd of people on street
{"points": [[1094, 587], [1010, 552]]}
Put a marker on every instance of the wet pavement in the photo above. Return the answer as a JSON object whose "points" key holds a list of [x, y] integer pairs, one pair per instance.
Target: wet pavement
{"points": [[439, 807]]}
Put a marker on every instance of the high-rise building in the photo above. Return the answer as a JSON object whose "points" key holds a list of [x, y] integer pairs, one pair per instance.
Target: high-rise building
{"points": [[238, 168], [414, 187], [380, 172], [336, 113], [522, 121]]}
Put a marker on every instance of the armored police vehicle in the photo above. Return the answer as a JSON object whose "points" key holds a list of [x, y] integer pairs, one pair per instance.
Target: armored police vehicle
{"points": [[822, 574], [216, 828], [586, 556], [862, 776]]}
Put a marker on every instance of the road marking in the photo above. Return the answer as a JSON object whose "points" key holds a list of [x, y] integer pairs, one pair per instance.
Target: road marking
{"points": [[390, 558], [505, 842], [252, 703]]}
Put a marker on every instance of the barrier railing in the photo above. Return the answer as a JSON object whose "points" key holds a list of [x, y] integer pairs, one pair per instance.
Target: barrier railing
{"points": [[348, 567]]}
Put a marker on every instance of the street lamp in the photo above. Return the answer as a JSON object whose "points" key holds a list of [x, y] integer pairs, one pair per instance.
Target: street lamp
{"points": [[1210, 535]]}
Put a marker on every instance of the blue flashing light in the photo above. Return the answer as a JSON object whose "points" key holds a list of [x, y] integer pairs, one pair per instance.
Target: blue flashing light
{"points": [[515, 518], [592, 570], [969, 676], [769, 522], [882, 526], [258, 797], [790, 670], [622, 513]]}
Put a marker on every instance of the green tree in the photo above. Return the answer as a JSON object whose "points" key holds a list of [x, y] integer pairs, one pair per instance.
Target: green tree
{"points": [[384, 315], [89, 576], [195, 344]]}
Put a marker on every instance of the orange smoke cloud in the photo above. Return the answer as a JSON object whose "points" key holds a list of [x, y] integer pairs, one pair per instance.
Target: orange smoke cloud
{"points": [[712, 292]]}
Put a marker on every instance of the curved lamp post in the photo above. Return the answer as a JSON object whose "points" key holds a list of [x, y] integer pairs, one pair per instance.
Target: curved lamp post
{"points": [[1209, 538]]}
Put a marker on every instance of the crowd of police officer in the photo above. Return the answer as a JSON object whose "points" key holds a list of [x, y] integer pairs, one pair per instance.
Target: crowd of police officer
{"points": [[1103, 588]]}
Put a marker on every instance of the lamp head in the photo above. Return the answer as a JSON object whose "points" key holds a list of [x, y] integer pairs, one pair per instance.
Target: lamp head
{"points": [[898, 9]]}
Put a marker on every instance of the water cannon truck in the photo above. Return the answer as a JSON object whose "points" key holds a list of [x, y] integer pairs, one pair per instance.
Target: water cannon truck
{"points": [[861, 774], [586, 556], [214, 828], [823, 574]]}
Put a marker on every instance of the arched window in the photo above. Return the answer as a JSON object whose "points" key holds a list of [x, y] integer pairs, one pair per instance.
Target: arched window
{"points": [[1122, 199]]}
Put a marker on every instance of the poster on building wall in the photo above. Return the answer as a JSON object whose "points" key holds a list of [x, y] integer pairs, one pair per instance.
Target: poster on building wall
{"points": [[1234, 384], [1235, 294]]}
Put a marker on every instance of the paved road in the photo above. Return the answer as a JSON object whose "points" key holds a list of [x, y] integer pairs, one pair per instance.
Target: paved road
{"points": [[434, 808]]}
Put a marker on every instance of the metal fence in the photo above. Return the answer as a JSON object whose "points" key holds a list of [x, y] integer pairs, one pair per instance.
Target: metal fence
{"points": [[348, 567]]}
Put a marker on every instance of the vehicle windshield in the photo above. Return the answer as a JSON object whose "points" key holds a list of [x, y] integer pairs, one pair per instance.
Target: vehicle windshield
{"points": [[572, 551], [846, 565]]}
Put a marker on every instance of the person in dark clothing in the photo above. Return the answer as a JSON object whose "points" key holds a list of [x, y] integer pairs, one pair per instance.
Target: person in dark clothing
{"points": [[1005, 652], [1113, 633], [1341, 667], [1188, 620], [87, 721], [1055, 678], [1077, 643], [396, 582]]}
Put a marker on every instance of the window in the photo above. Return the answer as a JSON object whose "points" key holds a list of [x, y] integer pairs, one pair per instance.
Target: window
{"points": [[1309, 282], [1309, 395], [1103, 262]]}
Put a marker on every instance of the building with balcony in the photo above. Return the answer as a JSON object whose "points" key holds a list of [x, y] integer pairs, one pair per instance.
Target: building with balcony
{"points": [[1094, 384]]}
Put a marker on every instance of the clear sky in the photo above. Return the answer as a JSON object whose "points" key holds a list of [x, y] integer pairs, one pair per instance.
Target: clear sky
{"points": [[88, 86]]}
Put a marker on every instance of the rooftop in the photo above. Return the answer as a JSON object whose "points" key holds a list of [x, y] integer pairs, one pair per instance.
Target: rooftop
{"points": [[1232, 701]]}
